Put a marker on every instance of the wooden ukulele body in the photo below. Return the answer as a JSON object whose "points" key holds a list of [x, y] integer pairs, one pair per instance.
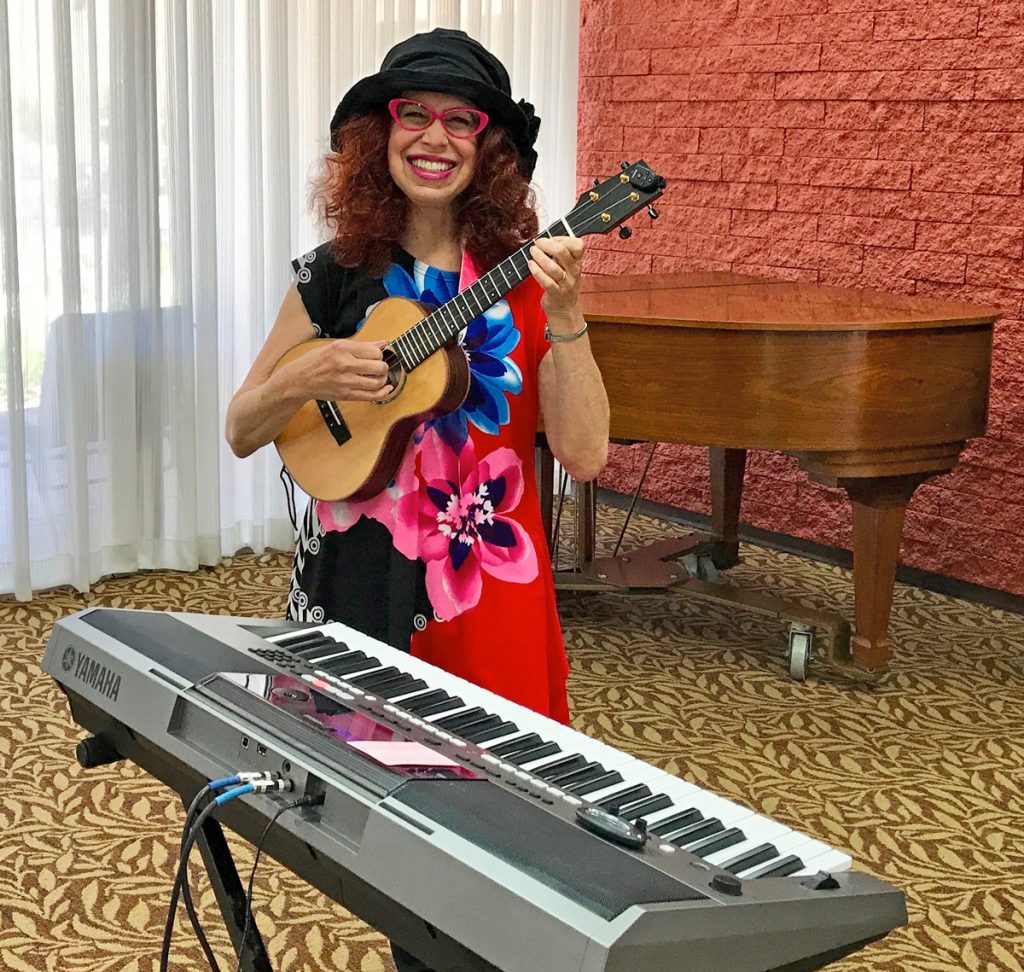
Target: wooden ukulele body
{"points": [[375, 434]]}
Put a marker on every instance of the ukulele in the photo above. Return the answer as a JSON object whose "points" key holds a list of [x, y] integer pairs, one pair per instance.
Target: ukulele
{"points": [[351, 450]]}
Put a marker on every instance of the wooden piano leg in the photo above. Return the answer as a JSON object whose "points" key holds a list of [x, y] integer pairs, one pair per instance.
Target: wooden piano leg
{"points": [[879, 506], [727, 469]]}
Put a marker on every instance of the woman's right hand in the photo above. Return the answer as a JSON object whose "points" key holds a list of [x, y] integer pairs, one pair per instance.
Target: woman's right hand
{"points": [[343, 370]]}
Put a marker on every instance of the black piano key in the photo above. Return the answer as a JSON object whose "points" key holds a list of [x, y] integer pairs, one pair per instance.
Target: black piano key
{"points": [[717, 842], [416, 692], [464, 718], [751, 858], [354, 661], [613, 801], [651, 804], [292, 642], [366, 682], [696, 831], [446, 705], [478, 735], [321, 647], [783, 867], [560, 767], [589, 772], [383, 686], [484, 722], [534, 752], [510, 746], [596, 783], [678, 820], [402, 687], [322, 659], [422, 701]]}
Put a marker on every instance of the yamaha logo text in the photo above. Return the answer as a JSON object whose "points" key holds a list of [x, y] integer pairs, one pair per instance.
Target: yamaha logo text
{"points": [[97, 676]]}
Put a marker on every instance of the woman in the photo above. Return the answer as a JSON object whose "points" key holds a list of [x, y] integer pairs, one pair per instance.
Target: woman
{"points": [[427, 187]]}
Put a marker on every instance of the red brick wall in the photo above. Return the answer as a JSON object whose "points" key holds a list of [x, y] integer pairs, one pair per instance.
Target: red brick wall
{"points": [[871, 143]]}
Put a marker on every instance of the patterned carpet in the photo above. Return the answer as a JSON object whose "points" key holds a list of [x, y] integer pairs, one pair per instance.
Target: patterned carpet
{"points": [[920, 777]]}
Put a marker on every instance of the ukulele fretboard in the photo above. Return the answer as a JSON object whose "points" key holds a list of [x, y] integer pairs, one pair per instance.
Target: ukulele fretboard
{"points": [[444, 324]]}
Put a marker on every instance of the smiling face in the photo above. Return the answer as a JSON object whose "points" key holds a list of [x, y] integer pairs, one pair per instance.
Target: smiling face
{"points": [[431, 167]]}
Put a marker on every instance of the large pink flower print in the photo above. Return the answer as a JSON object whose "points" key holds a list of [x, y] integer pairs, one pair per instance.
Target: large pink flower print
{"points": [[385, 507], [464, 530]]}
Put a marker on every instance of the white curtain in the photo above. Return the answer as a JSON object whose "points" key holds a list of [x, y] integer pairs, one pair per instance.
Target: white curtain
{"points": [[154, 165]]}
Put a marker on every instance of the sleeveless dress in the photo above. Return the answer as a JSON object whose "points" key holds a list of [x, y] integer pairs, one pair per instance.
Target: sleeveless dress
{"points": [[450, 560]]}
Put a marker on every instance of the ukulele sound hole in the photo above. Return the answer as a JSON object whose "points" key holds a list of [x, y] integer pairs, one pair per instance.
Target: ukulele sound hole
{"points": [[396, 374]]}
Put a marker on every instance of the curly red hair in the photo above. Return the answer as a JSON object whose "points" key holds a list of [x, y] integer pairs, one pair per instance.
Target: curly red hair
{"points": [[356, 198]]}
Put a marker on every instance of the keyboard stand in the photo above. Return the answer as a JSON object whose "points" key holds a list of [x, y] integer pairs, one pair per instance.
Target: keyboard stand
{"points": [[230, 895]]}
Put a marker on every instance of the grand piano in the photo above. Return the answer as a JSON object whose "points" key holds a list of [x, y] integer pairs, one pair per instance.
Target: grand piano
{"points": [[873, 392]]}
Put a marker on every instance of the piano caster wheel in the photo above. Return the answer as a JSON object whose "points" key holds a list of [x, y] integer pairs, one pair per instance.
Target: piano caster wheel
{"points": [[801, 643], [701, 567]]}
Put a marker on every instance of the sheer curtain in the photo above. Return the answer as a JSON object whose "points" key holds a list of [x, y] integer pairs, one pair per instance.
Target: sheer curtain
{"points": [[154, 163]]}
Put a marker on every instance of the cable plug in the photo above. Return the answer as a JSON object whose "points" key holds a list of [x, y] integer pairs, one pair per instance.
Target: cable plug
{"points": [[251, 776], [277, 784], [311, 800]]}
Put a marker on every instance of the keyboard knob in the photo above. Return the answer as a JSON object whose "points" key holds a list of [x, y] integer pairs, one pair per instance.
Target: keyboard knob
{"points": [[727, 884]]}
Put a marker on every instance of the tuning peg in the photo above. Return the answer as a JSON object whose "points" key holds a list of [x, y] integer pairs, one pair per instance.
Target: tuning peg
{"points": [[623, 166], [625, 232], [652, 212]]}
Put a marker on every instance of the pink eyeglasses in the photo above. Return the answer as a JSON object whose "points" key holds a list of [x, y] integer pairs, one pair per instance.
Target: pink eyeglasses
{"points": [[414, 116]]}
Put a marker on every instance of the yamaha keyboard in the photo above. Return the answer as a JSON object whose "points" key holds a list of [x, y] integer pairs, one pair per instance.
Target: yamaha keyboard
{"points": [[496, 839]]}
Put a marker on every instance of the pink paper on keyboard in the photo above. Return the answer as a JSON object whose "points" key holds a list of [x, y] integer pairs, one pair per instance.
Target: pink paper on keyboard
{"points": [[398, 752]]}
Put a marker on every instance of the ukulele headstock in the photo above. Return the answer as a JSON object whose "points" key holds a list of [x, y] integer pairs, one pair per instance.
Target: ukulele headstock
{"points": [[609, 203]]}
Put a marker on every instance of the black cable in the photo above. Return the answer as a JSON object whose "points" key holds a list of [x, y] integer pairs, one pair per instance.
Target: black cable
{"points": [[186, 848], [186, 890], [306, 801]]}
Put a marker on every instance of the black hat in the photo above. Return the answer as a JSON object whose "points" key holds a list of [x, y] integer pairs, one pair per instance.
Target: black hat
{"points": [[452, 62]]}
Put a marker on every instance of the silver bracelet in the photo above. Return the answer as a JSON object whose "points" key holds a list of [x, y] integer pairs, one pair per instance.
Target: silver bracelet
{"points": [[564, 338]]}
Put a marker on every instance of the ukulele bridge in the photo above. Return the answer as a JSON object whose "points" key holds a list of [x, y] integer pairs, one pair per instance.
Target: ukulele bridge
{"points": [[396, 374]]}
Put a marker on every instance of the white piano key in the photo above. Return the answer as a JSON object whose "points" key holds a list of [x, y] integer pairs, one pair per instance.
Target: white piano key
{"points": [[434, 717], [833, 862]]}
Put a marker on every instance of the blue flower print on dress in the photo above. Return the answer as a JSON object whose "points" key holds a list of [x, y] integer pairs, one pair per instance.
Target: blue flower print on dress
{"points": [[488, 340]]}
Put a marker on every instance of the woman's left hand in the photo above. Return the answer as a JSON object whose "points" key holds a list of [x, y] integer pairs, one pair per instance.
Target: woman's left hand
{"points": [[557, 265]]}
